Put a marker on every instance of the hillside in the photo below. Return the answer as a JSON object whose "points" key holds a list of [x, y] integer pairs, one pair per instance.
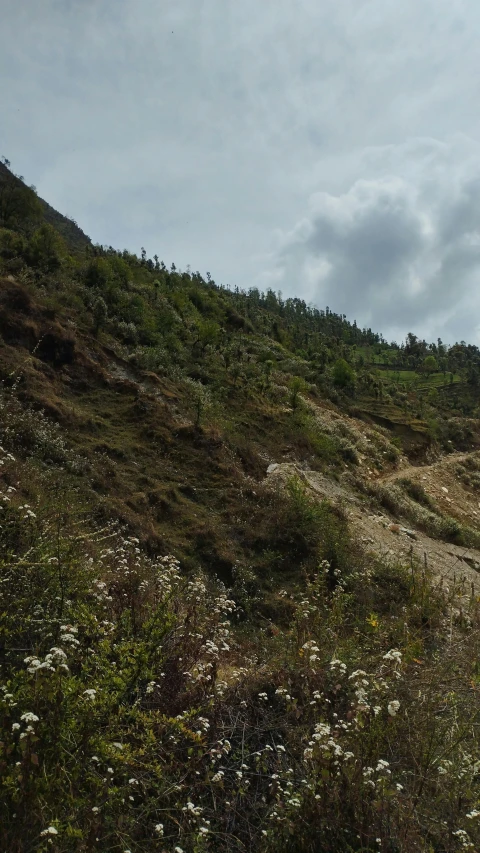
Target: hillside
{"points": [[239, 563], [12, 189]]}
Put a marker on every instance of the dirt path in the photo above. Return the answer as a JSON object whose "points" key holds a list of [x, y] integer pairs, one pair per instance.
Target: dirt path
{"points": [[386, 536], [414, 471]]}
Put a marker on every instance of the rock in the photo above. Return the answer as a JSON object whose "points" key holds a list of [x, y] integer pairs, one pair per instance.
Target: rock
{"points": [[408, 532], [444, 489], [471, 562], [395, 528], [273, 467]]}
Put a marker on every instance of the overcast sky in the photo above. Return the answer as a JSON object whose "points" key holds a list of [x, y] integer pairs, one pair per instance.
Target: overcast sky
{"points": [[330, 150]]}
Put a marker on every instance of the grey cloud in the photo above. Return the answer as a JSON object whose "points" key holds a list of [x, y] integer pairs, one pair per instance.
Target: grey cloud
{"points": [[200, 128], [395, 253]]}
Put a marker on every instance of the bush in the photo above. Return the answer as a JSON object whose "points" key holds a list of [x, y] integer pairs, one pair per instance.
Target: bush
{"points": [[12, 245], [45, 249], [417, 492], [343, 374]]}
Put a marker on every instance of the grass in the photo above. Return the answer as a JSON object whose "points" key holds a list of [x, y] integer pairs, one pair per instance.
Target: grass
{"points": [[421, 380]]}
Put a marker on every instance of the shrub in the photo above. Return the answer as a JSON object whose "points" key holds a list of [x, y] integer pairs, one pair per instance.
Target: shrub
{"points": [[343, 374], [45, 249], [132, 712], [417, 492]]}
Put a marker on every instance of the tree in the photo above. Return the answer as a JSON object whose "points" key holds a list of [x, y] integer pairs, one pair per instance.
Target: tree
{"points": [[208, 333], [19, 205], [45, 249], [430, 364], [200, 397], [343, 374], [295, 386], [100, 314], [97, 273], [12, 245]]}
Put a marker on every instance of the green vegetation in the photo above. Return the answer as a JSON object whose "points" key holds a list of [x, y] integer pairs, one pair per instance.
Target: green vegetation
{"points": [[194, 657]]}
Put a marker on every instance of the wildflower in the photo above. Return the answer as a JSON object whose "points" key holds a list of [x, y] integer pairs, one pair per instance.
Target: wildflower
{"points": [[218, 776], [28, 717], [90, 694], [463, 838], [359, 673], [95, 809], [15, 727], [195, 810], [178, 850], [393, 655], [159, 829], [393, 707], [50, 830], [473, 814]]}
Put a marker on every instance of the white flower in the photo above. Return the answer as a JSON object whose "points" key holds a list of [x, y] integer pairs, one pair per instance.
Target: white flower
{"points": [[474, 813], [393, 707], [28, 717], [50, 830], [95, 809], [393, 655], [178, 850], [159, 829], [15, 727], [359, 673], [218, 776], [90, 694]]}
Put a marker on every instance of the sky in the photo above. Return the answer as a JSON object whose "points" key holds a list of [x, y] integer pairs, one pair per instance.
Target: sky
{"points": [[328, 150]]}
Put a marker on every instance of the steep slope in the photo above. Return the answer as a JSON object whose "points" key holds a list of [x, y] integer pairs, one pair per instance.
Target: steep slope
{"points": [[239, 562], [74, 237]]}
